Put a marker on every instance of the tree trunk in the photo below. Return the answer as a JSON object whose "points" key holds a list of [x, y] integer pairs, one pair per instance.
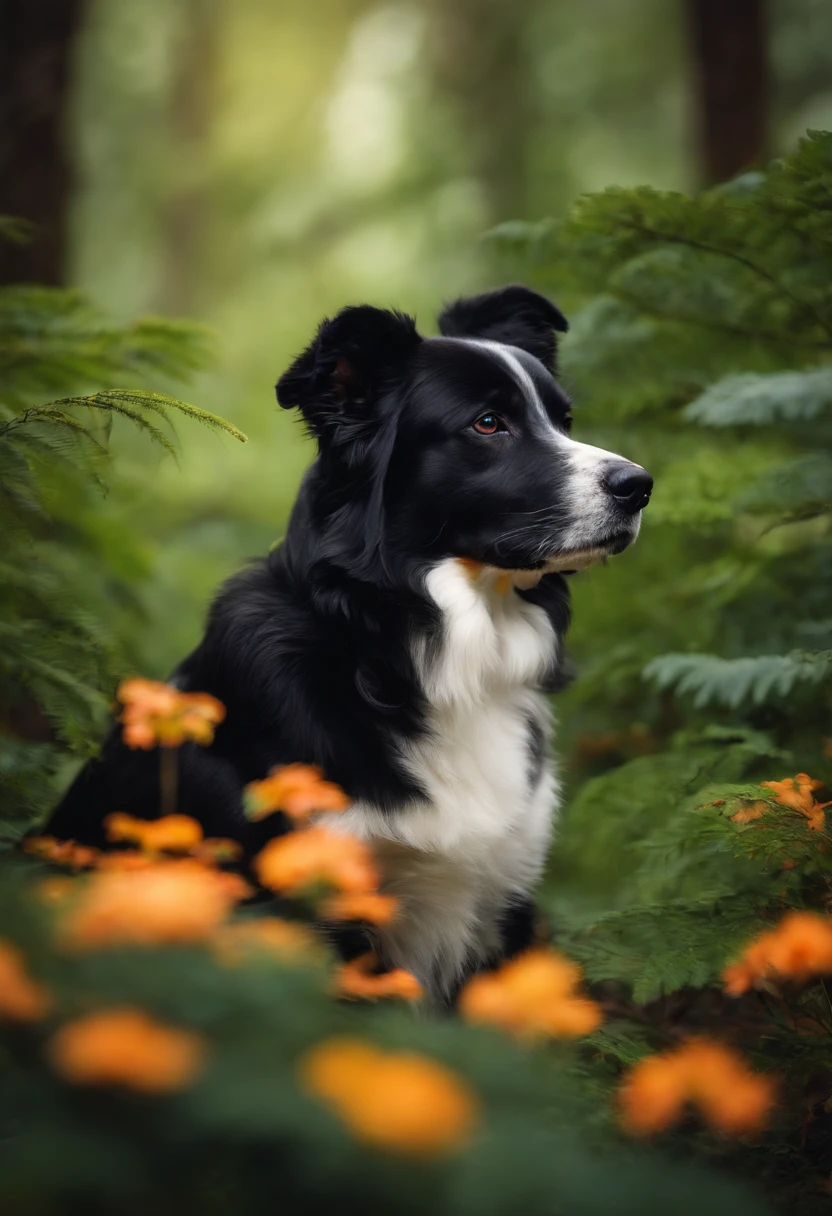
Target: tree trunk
{"points": [[480, 62], [186, 218], [728, 41], [37, 40]]}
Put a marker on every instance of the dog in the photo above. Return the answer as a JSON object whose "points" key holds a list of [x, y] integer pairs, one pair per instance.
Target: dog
{"points": [[405, 633]]}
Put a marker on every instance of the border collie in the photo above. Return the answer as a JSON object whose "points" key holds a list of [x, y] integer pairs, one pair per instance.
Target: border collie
{"points": [[404, 634]]}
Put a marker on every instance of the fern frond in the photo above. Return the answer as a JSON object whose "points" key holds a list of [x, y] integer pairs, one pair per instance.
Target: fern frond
{"points": [[764, 400], [157, 402], [155, 433], [801, 489], [713, 680], [52, 341], [166, 346]]}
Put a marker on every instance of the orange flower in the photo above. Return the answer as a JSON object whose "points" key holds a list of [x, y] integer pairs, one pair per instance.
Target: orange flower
{"points": [[360, 905], [749, 812], [796, 793], [215, 850], [398, 1101], [316, 855], [126, 1047], [175, 833], [287, 941], [56, 889], [533, 995], [157, 715], [61, 852], [817, 819], [798, 948], [126, 859], [170, 901], [296, 789], [357, 981], [730, 1097], [21, 998]]}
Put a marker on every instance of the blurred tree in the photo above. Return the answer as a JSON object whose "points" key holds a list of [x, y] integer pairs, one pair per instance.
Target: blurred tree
{"points": [[192, 110], [728, 42], [482, 65], [36, 178]]}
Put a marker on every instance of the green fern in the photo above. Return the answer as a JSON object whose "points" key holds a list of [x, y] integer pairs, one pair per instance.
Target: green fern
{"points": [[60, 652], [732, 681], [753, 400]]}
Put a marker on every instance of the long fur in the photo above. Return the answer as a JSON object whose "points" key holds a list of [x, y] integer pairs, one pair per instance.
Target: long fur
{"points": [[404, 635]]}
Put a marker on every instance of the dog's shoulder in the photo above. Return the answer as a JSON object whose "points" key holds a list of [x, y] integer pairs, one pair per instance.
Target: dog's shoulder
{"points": [[309, 670]]}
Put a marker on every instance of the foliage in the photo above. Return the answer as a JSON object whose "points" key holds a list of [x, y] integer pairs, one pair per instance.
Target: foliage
{"points": [[164, 1055], [69, 577], [702, 346]]}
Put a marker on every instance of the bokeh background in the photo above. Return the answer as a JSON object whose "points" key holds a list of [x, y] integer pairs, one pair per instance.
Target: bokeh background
{"points": [[256, 164], [251, 166]]}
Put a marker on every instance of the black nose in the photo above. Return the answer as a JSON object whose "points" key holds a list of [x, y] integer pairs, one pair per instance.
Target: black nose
{"points": [[630, 486]]}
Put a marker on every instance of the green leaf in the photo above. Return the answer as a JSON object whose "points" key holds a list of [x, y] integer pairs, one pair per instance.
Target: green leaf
{"points": [[158, 402], [764, 400], [732, 681]]}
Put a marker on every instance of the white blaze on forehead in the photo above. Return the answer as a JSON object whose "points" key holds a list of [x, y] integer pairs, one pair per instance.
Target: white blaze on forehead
{"points": [[519, 374], [585, 499], [583, 456]]}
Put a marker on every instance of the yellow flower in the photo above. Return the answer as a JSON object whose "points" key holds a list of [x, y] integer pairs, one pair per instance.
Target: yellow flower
{"points": [[316, 855], [157, 715], [169, 901], [360, 905], [398, 1101], [533, 995], [21, 998], [708, 1075], [298, 790], [126, 1047], [358, 980], [173, 833], [799, 947]]}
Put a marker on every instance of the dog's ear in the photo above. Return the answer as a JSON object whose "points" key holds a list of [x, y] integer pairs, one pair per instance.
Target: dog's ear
{"points": [[515, 315], [352, 360]]}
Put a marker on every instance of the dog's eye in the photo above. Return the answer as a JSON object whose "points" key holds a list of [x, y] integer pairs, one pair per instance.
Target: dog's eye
{"points": [[567, 423], [489, 424]]}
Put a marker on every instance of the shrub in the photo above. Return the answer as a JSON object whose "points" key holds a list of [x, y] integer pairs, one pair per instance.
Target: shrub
{"points": [[201, 1060], [68, 574], [701, 346]]}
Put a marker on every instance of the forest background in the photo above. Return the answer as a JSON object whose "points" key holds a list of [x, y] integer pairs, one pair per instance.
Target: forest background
{"points": [[252, 166]]}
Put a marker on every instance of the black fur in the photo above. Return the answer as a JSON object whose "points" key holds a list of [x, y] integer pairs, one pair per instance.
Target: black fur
{"points": [[311, 648], [516, 316]]}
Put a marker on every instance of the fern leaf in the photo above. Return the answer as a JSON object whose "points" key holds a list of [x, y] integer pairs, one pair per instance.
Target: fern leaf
{"points": [[759, 400], [158, 402], [732, 681], [801, 489]]}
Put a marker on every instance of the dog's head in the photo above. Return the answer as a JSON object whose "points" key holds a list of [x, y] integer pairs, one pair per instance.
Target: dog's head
{"points": [[461, 444]]}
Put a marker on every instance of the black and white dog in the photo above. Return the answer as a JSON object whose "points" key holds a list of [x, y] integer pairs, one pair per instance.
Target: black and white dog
{"points": [[404, 634]]}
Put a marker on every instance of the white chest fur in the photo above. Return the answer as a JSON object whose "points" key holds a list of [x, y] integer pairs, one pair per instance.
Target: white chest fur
{"points": [[457, 859]]}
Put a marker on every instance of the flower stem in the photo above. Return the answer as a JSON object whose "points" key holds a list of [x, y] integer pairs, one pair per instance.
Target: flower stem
{"points": [[168, 778]]}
